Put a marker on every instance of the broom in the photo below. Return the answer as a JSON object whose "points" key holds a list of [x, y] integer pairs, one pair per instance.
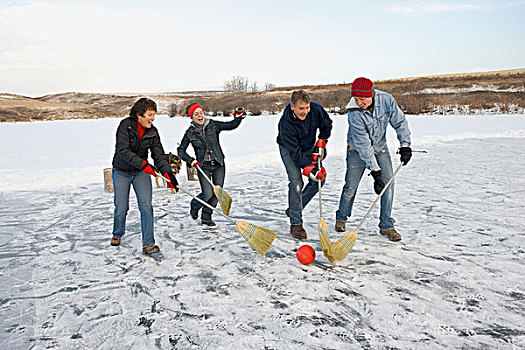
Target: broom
{"points": [[326, 244], [224, 198], [259, 238], [342, 247]]}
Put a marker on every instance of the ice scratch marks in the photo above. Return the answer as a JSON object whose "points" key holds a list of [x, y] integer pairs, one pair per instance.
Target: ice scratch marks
{"points": [[146, 323]]}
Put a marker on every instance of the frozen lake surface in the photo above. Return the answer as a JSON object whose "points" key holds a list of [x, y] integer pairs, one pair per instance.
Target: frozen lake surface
{"points": [[454, 281]]}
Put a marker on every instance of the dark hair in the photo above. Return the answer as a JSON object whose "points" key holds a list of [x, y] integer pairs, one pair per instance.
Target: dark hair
{"points": [[299, 95], [141, 106]]}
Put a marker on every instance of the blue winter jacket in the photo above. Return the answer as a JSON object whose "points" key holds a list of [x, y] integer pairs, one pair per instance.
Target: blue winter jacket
{"points": [[367, 131], [299, 136]]}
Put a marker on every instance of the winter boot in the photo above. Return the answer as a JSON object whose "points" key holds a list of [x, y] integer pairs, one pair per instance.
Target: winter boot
{"points": [[297, 231], [151, 249], [115, 241], [391, 234], [208, 222], [194, 214], [340, 226]]}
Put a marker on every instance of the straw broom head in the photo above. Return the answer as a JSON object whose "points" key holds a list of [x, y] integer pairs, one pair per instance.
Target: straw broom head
{"points": [[326, 243], [224, 199], [342, 247], [259, 238]]}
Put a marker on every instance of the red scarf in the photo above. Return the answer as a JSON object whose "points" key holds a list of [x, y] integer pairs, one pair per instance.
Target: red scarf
{"points": [[141, 129]]}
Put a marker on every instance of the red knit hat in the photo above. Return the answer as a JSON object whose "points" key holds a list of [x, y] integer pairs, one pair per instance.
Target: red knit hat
{"points": [[192, 109], [362, 87]]}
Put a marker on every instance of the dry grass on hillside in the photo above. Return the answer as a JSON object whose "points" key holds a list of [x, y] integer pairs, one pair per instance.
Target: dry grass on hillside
{"points": [[501, 91], [14, 108]]}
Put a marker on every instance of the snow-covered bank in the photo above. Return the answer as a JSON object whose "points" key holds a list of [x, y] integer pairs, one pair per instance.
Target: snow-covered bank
{"points": [[454, 281], [74, 152]]}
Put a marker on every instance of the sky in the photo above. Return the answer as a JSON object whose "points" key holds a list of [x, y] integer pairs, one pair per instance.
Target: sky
{"points": [[166, 46]]}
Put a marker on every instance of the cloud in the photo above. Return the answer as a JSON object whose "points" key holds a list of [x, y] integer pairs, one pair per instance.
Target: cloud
{"points": [[440, 8]]}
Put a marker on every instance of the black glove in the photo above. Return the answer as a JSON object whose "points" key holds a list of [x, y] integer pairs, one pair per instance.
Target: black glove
{"points": [[379, 185], [406, 154], [173, 181]]}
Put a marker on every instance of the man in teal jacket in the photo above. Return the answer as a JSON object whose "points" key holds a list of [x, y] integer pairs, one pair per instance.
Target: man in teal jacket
{"points": [[369, 113]]}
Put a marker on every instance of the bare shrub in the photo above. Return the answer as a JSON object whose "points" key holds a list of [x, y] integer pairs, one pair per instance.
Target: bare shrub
{"points": [[236, 84], [176, 109], [269, 86]]}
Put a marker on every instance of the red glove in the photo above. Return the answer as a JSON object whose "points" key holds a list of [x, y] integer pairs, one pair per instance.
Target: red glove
{"points": [[148, 168], [314, 173], [239, 112], [173, 181], [319, 150], [196, 164]]}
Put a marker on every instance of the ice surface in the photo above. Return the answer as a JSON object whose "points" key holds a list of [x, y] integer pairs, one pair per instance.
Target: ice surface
{"points": [[454, 281]]}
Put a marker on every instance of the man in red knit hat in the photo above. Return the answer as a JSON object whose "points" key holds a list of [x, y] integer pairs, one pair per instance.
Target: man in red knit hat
{"points": [[369, 113]]}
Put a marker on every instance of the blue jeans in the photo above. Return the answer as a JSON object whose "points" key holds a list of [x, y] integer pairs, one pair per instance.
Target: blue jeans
{"points": [[298, 197], [355, 168], [142, 186], [215, 173]]}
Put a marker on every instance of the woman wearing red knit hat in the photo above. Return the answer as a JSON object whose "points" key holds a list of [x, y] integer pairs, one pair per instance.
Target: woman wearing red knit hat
{"points": [[369, 113], [203, 135]]}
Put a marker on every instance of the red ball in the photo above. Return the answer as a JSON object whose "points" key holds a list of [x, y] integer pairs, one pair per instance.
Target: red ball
{"points": [[305, 254]]}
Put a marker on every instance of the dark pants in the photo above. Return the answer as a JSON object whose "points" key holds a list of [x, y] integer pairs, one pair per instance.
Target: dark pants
{"points": [[215, 172], [298, 197]]}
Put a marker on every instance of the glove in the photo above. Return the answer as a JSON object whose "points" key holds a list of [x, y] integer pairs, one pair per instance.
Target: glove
{"points": [[173, 181], [314, 173], [148, 168], [239, 112], [406, 154], [379, 185], [319, 150], [195, 164]]}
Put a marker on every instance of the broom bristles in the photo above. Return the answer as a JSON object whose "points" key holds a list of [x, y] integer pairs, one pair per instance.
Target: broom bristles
{"points": [[259, 238], [224, 199], [324, 238], [342, 247]]}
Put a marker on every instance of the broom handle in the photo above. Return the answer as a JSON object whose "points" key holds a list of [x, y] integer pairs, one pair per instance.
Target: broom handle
{"points": [[198, 199], [379, 196], [205, 176], [320, 197]]}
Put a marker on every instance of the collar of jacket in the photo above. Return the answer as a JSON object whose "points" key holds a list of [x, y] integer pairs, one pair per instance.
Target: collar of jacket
{"points": [[199, 127], [352, 105], [133, 126], [288, 113]]}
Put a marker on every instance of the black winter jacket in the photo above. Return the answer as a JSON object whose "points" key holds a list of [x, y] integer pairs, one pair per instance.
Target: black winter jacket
{"points": [[211, 141], [130, 153], [299, 136]]}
